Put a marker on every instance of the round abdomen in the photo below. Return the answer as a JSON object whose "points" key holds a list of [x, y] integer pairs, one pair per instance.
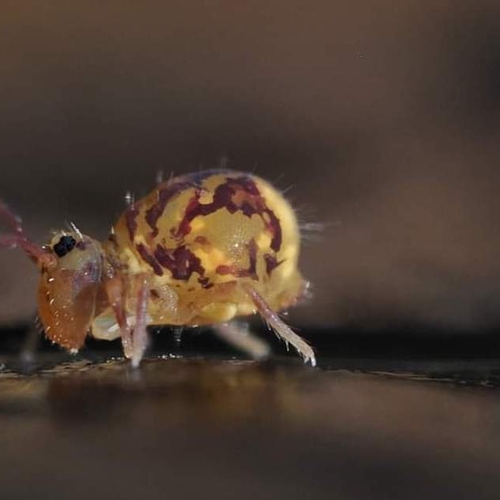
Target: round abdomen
{"points": [[203, 231]]}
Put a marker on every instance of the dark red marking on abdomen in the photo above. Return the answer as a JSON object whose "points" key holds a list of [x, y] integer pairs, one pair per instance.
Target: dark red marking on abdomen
{"points": [[235, 194], [180, 261], [149, 259], [271, 263]]}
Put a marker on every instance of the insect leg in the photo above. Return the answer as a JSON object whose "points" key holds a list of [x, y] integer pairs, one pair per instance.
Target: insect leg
{"points": [[282, 330], [140, 339], [115, 290], [177, 332], [239, 337], [30, 344]]}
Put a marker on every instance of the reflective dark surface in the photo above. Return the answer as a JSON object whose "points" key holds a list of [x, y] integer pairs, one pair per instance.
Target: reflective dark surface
{"points": [[190, 425]]}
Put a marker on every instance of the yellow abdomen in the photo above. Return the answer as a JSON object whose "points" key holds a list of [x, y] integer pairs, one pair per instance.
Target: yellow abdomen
{"points": [[201, 236]]}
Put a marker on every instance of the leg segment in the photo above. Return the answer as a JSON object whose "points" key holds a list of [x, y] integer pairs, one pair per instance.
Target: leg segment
{"points": [[134, 340], [239, 337], [140, 338], [115, 290], [282, 330], [177, 332], [30, 344]]}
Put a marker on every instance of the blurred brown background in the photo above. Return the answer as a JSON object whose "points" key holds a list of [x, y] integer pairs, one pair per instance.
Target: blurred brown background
{"points": [[379, 118]]}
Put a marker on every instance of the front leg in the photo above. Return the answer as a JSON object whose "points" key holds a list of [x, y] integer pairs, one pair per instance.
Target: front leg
{"points": [[116, 292], [140, 337], [132, 328]]}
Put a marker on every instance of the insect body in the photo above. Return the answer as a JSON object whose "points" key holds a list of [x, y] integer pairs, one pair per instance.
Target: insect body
{"points": [[202, 248]]}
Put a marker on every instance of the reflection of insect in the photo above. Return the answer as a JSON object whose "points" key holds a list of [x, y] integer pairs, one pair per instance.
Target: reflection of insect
{"points": [[202, 248]]}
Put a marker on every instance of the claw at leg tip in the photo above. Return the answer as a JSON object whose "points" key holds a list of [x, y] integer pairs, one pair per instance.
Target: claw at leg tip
{"points": [[311, 360]]}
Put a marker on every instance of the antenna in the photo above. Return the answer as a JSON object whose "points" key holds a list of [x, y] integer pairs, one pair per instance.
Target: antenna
{"points": [[17, 239]]}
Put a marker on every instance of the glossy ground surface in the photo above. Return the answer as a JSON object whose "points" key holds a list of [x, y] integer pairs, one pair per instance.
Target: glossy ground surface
{"points": [[215, 426]]}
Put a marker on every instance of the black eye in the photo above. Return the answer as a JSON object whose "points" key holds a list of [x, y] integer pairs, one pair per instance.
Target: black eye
{"points": [[64, 245]]}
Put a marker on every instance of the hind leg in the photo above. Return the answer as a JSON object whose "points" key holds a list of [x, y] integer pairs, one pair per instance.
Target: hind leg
{"points": [[239, 337], [282, 330]]}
